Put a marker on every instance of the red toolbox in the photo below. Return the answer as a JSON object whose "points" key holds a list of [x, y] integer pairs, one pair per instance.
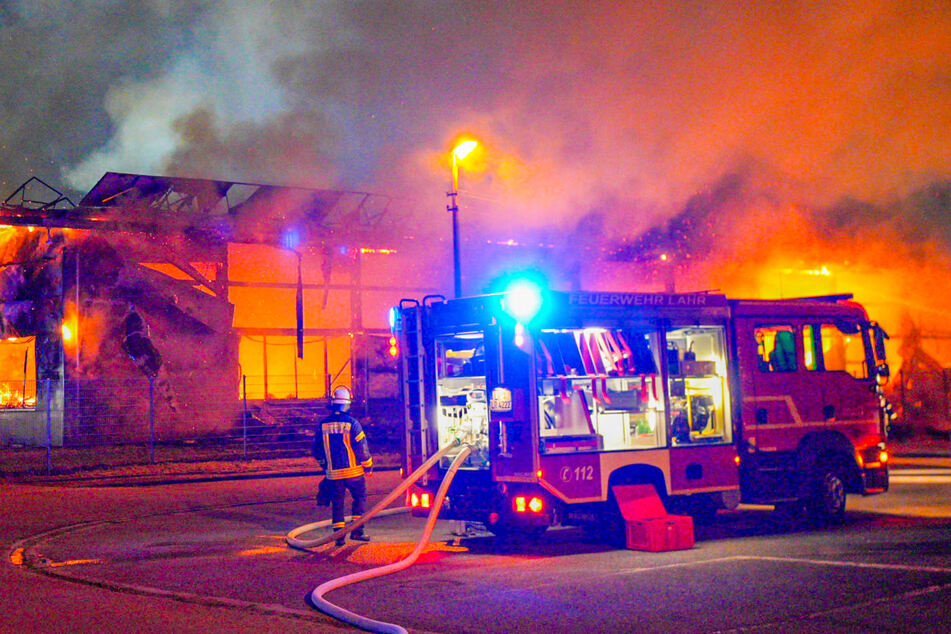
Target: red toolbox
{"points": [[648, 526]]}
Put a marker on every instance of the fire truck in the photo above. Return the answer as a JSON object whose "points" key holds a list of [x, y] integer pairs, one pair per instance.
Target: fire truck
{"points": [[714, 401]]}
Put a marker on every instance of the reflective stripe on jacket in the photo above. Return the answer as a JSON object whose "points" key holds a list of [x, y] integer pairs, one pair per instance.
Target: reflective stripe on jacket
{"points": [[341, 447]]}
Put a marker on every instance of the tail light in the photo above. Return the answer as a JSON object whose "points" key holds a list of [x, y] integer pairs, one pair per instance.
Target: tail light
{"points": [[420, 500], [873, 457], [525, 504]]}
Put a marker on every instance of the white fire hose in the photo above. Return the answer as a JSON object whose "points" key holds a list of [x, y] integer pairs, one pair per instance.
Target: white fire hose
{"points": [[317, 595]]}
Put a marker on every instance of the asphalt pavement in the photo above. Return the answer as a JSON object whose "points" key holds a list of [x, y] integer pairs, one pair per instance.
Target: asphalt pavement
{"points": [[210, 556]]}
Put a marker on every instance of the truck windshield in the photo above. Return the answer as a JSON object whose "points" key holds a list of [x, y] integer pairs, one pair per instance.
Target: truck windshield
{"points": [[599, 389], [462, 410]]}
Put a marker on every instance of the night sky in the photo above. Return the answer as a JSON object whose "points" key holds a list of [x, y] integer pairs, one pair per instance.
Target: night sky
{"points": [[598, 121]]}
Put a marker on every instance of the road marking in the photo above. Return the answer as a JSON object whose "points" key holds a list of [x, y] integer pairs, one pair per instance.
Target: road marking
{"points": [[921, 472], [854, 564], [684, 564], [911, 594], [919, 479]]}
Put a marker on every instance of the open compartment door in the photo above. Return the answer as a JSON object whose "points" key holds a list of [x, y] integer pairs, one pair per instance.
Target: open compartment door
{"points": [[510, 375]]}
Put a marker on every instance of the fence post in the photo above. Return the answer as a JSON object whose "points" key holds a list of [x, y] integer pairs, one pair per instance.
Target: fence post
{"points": [[152, 419], [49, 428], [244, 415]]}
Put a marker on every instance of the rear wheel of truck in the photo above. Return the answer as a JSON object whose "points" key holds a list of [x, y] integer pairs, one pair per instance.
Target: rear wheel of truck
{"points": [[826, 504]]}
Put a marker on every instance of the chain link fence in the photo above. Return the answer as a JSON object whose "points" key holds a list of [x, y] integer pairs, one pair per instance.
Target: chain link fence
{"points": [[111, 423]]}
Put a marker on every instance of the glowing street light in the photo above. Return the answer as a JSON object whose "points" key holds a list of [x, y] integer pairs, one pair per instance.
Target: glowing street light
{"points": [[458, 153]]}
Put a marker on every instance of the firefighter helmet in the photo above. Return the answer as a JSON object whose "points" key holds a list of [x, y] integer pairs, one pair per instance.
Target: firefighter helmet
{"points": [[342, 396]]}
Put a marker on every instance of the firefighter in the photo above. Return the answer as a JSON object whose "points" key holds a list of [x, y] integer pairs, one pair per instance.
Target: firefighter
{"points": [[340, 446]]}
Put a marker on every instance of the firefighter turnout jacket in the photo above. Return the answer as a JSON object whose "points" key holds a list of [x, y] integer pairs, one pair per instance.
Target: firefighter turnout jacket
{"points": [[341, 447]]}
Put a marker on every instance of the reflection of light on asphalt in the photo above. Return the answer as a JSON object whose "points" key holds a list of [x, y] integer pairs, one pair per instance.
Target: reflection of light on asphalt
{"points": [[381, 554], [266, 550], [74, 562]]}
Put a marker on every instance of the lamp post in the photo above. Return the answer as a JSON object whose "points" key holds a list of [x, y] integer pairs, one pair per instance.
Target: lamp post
{"points": [[458, 153]]}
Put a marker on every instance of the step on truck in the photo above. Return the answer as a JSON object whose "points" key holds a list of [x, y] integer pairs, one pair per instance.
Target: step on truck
{"points": [[713, 401]]}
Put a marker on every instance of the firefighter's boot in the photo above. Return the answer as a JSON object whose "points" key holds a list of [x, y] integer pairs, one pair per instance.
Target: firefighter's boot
{"points": [[340, 541], [359, 537]]}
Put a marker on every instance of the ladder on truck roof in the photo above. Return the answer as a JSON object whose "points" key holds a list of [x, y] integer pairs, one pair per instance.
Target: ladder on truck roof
{"points": [[811, 298], [415, 425]]}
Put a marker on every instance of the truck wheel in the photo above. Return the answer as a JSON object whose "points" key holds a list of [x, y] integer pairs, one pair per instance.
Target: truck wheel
{"points": [[827, 502]]}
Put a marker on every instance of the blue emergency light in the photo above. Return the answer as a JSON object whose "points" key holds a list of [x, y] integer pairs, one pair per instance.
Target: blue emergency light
{"points": [[522, 300]]}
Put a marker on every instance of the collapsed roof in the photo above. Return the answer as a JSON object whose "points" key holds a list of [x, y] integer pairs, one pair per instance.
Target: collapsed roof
{"points": [[209, 210]]}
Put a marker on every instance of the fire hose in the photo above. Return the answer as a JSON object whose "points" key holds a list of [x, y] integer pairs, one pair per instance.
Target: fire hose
{"points": [[317, 595]]}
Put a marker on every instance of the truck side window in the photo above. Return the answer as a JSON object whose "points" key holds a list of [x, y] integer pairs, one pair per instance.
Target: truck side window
{"points": [[599, 389], [776, 348], [698, 386], [810, 358]]}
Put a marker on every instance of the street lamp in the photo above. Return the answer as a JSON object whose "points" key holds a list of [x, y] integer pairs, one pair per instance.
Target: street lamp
{"points": [[458, 153]]}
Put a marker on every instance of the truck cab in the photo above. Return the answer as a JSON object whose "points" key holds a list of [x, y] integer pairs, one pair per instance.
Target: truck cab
{"points": [[814, 426]]}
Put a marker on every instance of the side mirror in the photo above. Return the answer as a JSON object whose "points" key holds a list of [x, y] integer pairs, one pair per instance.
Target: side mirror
{"points": [[880, 337]]}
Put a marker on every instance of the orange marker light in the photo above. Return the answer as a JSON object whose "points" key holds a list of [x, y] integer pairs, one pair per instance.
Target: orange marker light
{"points": [[883, 456], [736, 459]]}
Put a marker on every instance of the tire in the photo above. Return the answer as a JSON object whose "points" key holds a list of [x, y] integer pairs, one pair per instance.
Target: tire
{"points": [[827, 502]]}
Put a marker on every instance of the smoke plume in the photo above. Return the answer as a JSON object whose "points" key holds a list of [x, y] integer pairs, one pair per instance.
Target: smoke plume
{"points": [[752, 140]]}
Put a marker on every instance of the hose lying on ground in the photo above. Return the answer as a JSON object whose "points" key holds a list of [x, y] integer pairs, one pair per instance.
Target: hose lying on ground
{"points": [[366, 623], [305, 544]]}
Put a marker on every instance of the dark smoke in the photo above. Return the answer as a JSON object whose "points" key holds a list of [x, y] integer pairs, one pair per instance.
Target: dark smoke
{"points": [[607, 128]]}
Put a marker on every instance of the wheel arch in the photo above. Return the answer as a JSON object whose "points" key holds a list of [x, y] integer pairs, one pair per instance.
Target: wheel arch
{"points": [[821, 447], [638, 474]]}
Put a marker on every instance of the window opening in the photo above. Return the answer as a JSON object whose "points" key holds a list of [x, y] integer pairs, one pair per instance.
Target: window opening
{"points": [[842, 351], [18, 373], [810, 358], [274, 372], [698, 384], [776, 348], [599, 389]]}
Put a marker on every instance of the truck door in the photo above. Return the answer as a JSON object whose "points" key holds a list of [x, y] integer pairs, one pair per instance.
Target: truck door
{"points": [[702, 455], [510, 375], [781, 392], [844, 369]]}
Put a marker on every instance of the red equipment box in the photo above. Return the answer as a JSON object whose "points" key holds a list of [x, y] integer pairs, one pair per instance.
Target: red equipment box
{"points": [[648, 526]]}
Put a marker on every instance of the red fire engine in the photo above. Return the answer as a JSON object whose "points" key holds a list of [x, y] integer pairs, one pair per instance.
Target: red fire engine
{"points": [[713, 401]]}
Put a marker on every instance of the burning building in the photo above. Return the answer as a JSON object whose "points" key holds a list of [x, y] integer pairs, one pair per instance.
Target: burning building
{"points": [[166, 303]]}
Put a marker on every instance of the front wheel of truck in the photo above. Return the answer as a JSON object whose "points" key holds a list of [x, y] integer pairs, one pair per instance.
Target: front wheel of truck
{"points": [[827, 501]]}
